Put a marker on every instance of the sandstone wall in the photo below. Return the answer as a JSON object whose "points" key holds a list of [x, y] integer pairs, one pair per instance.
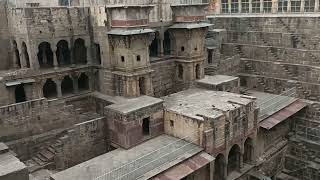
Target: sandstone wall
{"points": [[5, 52], [83, 142], [34, 117]]}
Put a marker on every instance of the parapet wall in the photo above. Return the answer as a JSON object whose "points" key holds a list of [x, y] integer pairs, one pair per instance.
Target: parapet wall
{"points": [[34, 117]]}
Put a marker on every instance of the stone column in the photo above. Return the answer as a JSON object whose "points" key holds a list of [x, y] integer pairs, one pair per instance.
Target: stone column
{"points": [[58, 86], [289, 6], [23, 59], [229, 6], [89, 55], [302, 6], [316, 6], [55, 60], [241, 160], [160, 43], [239, 6], [75, 84], [261, 6], [274, 6]]}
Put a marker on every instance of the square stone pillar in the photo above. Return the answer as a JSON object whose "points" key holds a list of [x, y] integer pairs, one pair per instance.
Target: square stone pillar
{"points": [[316, 6], [274, 6], [250, 6], [302, 6]]}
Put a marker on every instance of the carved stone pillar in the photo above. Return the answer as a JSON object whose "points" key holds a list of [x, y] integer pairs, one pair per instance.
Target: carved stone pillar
{"points": [[55, 60], [58, 86], [75, 84], [89, 55]]}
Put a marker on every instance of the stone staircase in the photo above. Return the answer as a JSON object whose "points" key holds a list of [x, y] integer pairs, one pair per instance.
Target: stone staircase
{"points": [[44, 158], [297, 39]]}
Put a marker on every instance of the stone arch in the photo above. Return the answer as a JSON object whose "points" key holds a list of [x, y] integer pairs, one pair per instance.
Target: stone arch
{"points": [[67, 85], [248, 155], [80, 51], [49, 89], [63, 53], [198, 71], [219, 166], [20, 94], [45, 55], [83, 82], [16, 55], [234, 158], [180, 71], [25, 54]]}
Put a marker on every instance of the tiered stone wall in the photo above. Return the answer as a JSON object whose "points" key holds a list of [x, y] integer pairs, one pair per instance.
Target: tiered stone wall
{"points": [[276, 52]]}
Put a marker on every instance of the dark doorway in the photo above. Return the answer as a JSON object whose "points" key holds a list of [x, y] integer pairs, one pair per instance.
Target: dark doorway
{"points": [[80, 52], [16, 55], [45, 55], [198, 71], [63, 53], [26, 54], [234, 159], [142, 87], [180, 71], [146, 126], [210, 53], [20, 94], [167, 43], [67, 85], [98, 53], [50, 89], [219, 164], [83, 82], [153, 48], [248, 151]]}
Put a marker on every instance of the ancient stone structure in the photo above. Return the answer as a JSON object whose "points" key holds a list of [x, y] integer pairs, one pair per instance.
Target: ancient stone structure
{"points": [[163, 89]]}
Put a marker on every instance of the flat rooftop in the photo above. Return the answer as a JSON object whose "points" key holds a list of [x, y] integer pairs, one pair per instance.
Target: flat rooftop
{"points": [[126, 106], [196, 102], [149, 158], [217, 79], [269, 104]]}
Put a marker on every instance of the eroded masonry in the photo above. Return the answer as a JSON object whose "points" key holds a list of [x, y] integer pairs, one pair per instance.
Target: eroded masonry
{"points": [[160, 90]]}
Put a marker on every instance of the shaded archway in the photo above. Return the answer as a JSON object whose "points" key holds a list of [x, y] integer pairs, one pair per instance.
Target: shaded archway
{"points": [[248, 151], [198, 71], [16, 55], [49, 89], [142, 87], [20, 94], [167, 43], [67, 86], [45, 55], [80, 52], [234, 159], [153, 48], [180, 71], [25, 54], [63, 53], [219, 165], [83, 82], [97, 53]]}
